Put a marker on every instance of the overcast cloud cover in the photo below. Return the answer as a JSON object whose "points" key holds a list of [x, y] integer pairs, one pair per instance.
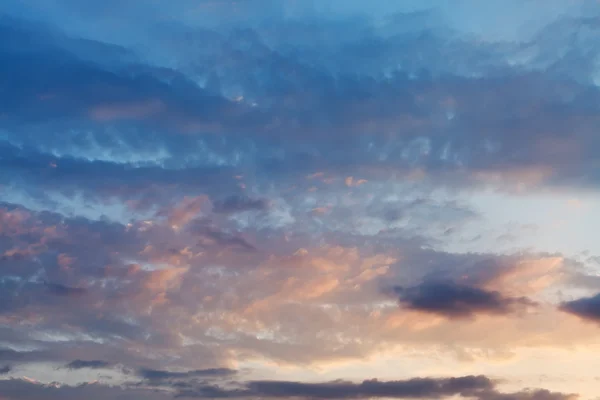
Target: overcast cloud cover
{"points": [[299, 199]]}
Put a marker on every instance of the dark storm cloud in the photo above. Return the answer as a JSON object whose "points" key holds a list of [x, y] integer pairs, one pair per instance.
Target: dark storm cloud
{"points": [[5, 369], [455, 300], [586, 307]]}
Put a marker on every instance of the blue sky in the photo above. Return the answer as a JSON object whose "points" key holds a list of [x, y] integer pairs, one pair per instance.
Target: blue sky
{"points": [[296, 199]]}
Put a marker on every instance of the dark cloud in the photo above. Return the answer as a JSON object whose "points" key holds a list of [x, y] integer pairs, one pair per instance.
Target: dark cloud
{"points": [[413, 388], [586, 307], [5, 369], [18, 389], [473, 387], [62, 290], [210, 235], [476, 387], [91, 364], [455, 300]]}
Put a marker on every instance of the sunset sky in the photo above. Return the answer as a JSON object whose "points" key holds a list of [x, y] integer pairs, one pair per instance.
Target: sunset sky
{"points": [[298, 199]]}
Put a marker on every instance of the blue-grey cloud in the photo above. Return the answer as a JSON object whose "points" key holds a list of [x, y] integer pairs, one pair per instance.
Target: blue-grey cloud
{"points": [[160, 375], [235, 204], [586, 307], [476, 387], [456, 300], [376, 107], [91, 364], [19, 389], [62, 290]]}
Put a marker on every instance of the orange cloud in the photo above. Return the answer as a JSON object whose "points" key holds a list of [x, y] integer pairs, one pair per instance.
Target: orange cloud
{"points": [[529, 277]]}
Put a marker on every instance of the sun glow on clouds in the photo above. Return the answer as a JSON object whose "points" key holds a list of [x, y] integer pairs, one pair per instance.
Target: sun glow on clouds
{"points": [[299, 199]]}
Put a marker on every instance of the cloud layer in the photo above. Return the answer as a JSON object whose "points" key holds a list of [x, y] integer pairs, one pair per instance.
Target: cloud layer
{"points": [[223, 199]]}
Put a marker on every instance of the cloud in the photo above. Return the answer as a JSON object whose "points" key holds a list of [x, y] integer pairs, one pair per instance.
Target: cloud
{"points": [[345, 96], [184, 212], [21, 389], [91, 364], [64, 89], [5, 369], [136, 275], [62, 290], [210, 235], [159, 375], [203, 183], [476, 387], [236, 204], [413, 388], [586, 307], [539, 394], [457, 301]]}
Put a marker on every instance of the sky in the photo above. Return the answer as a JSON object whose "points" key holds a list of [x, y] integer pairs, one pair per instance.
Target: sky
{"points": [[297, 199]]}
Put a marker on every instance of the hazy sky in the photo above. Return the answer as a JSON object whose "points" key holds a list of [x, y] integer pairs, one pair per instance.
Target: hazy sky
{"points": [[297, 199]]}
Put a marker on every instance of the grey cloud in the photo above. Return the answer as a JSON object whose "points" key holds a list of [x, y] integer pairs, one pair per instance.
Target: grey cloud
{"points": [[478, 387], [473, 387], [413, 388], [18, 389], [62, 290], [10, 355]]}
